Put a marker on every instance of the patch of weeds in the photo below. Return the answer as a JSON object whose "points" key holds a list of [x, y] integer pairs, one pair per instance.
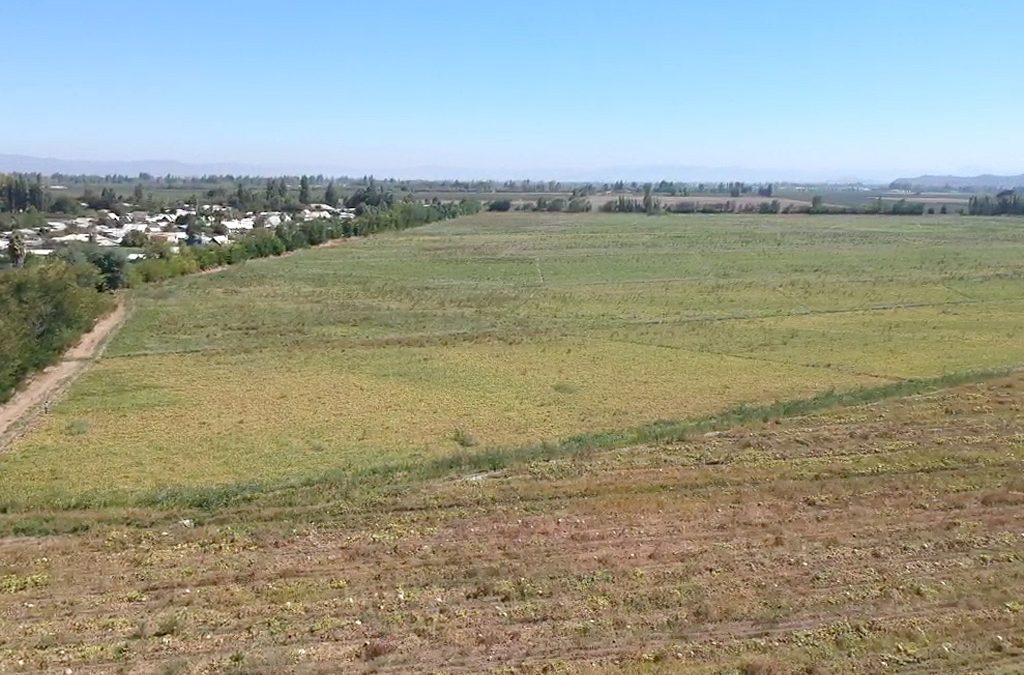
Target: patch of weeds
{"points": [[273, 662], [169, 624], [373, 649], [76, 427], [31, 528], [761, 666], [518, 589], [464, 439], [16, 583], [134, 596], [174, 667], [47, 641], [565, 388]]}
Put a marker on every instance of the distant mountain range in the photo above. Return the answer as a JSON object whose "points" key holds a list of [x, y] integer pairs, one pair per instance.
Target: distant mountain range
{"points": [[637, 173], [983, 182], [156, 167]]}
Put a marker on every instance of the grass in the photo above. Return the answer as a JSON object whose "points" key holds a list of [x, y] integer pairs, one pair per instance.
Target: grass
{"points": [[503, 338]]}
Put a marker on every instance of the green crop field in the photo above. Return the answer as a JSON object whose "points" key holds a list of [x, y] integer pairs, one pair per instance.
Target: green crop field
{"points": [[503, 331]]}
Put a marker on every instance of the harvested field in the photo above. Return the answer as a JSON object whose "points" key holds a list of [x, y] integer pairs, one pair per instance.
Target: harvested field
{"points": [[878, 538]]}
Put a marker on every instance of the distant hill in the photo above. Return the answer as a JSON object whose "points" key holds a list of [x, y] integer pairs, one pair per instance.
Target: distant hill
{"points": [[638, 173], [983, 182], [157, 167]]}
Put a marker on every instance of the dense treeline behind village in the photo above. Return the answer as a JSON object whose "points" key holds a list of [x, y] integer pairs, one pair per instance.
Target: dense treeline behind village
{"points": [[31, 196]]}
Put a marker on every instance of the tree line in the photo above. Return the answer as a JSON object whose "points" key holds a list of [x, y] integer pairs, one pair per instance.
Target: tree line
{"points": [[544, 204], [651, 205], [1007, 202]]}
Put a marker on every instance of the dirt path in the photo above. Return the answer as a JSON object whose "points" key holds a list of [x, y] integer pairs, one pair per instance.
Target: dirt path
{"points": [[51, 382]]}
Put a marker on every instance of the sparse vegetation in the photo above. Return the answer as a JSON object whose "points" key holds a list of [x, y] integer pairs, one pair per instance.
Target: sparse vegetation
{"points": [[877, 533]]}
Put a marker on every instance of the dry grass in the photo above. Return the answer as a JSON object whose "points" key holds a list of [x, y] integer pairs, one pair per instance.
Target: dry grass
{"points": [[884, 537]]}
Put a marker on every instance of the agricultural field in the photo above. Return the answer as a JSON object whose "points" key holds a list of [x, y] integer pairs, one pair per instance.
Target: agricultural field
{"points": [[876, 538], [953, 201], [489, 338]]}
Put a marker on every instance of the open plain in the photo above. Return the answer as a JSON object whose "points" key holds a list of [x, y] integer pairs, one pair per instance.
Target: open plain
{"points": [[882, 537], [531, 444], [499, 335]]}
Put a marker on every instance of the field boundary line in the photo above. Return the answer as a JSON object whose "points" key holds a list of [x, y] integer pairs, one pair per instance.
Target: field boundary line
{"points": [[427, 339], [816, 312], [958, 292], [46, 386], [780, 362]]}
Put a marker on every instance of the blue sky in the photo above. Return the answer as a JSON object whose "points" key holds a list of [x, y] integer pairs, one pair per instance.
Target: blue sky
{"points": [[850, 88]]}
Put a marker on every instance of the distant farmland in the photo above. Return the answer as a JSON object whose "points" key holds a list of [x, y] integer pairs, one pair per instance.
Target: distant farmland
{"points": [[497, 332]]}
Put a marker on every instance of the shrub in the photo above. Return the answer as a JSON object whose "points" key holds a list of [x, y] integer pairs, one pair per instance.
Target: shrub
{"points": [[43, 311], [464, 438]]}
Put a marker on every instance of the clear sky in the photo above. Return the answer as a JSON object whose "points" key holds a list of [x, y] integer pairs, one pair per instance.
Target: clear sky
{"points": [[849, 88]]}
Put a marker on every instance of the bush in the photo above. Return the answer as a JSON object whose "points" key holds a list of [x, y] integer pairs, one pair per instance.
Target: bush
{"points": [[44, 309], [135, 239], [500, 205], [112, 267], [578, 205]]}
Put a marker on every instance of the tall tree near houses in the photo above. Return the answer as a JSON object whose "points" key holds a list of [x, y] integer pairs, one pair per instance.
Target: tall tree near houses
{"points": [[331, 195], [304, 190], [16, 250], [648, 199]]}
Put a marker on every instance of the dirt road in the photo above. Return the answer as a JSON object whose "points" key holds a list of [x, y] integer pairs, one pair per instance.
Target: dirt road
{"points": [[52, 381]]}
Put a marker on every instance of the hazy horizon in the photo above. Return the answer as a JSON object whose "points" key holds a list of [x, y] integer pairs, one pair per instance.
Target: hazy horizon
{"points": [[580, 91], [633, 173]]}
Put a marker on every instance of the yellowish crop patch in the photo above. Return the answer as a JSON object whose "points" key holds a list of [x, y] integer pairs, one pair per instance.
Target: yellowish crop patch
{"points": [[510, 330], [266, 415]]}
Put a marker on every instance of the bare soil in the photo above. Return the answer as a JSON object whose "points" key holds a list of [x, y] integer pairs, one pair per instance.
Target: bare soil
{"points": [[880, 538]]}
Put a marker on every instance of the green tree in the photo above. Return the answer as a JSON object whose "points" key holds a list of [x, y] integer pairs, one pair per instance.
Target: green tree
{"points": [[112, 265], [194, 231], [304, 190], [37, 195], [138, 195], [64, 204], [650, 203], [16, 250], [135, 239], [331, 195]]}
